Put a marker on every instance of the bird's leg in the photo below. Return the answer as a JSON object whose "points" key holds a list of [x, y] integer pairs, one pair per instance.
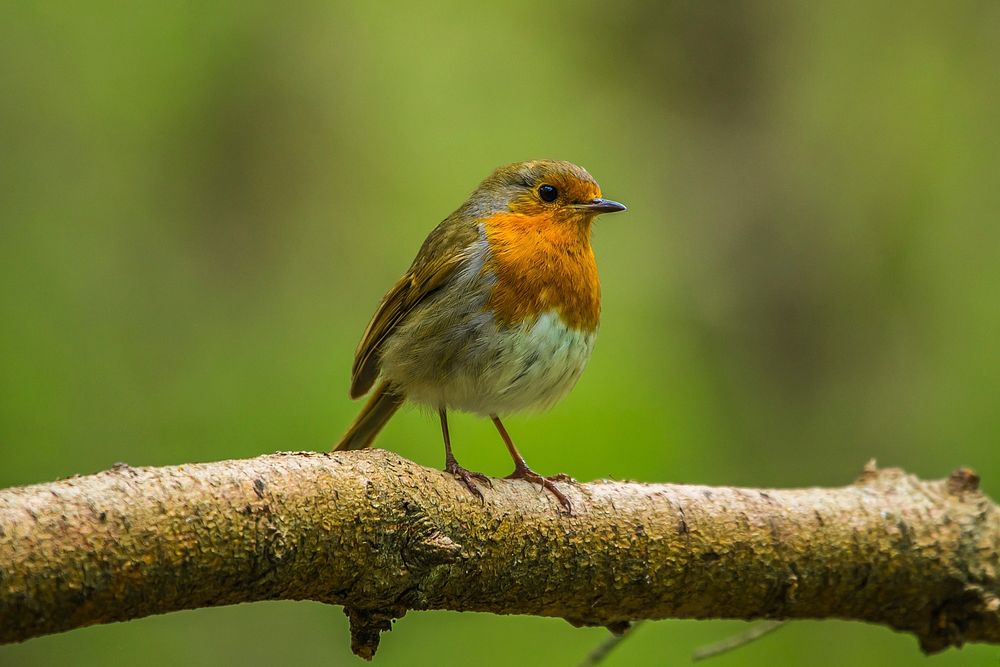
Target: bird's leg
{"points": [[522, 471], [451, 465]]}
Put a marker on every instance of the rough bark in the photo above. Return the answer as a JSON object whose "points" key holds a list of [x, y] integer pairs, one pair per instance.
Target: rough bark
{"points": [[381, 535]]}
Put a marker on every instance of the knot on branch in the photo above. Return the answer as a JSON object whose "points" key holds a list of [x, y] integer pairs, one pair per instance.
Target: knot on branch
{"points": [[427, 546], [962, 480], [972, 612], [367, 625], [869, 473], [433, 548], [882, 480]]}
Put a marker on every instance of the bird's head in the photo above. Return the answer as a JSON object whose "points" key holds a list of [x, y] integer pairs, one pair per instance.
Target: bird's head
{"points": [[548, 190]]}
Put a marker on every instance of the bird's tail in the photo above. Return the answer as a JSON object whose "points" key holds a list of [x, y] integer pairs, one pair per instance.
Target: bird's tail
{"points": [[380, 407]]}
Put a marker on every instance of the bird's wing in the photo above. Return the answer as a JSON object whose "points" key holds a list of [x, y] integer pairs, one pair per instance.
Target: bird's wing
{"points": [[441, 254]]}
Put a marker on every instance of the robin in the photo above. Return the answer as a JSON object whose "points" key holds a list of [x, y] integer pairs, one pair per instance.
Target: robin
{"points": [[497, 314]]}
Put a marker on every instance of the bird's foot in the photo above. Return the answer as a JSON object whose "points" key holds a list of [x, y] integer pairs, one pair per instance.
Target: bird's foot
{"points": [[547, 483], [467, 477]]}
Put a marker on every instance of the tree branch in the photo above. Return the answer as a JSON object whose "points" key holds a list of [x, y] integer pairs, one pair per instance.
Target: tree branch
{"points": [[381, 535]]}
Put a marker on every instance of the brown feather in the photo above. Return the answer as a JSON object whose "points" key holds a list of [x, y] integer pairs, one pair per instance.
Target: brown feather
{"points": [[438, 258], [382, 405]]}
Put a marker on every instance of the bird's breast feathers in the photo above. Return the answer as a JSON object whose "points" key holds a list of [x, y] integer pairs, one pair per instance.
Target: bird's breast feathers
{"points": [[536, 267]]}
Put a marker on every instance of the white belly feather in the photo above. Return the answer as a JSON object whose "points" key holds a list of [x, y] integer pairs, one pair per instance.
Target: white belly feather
{"points": [[536, 365], [501, 370]]}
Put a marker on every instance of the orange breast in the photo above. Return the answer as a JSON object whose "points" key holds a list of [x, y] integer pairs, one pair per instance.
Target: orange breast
{"points": [[540, 265]]}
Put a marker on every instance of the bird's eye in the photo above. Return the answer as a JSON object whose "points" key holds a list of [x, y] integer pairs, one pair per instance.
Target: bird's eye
{"points": [[548, 193]]}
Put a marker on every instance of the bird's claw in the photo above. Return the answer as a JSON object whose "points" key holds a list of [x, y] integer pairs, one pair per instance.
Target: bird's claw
{"points": [[467, 477], [546, 483]]}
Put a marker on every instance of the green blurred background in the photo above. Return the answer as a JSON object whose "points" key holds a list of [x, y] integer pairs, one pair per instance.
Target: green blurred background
{"points": [[202, 203]]}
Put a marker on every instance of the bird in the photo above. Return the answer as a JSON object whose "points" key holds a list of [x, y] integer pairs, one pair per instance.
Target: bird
{"points": [[496, 315]]}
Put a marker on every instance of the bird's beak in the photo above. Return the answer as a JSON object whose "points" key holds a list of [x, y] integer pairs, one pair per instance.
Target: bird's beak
{"points": [[601, 206]]}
